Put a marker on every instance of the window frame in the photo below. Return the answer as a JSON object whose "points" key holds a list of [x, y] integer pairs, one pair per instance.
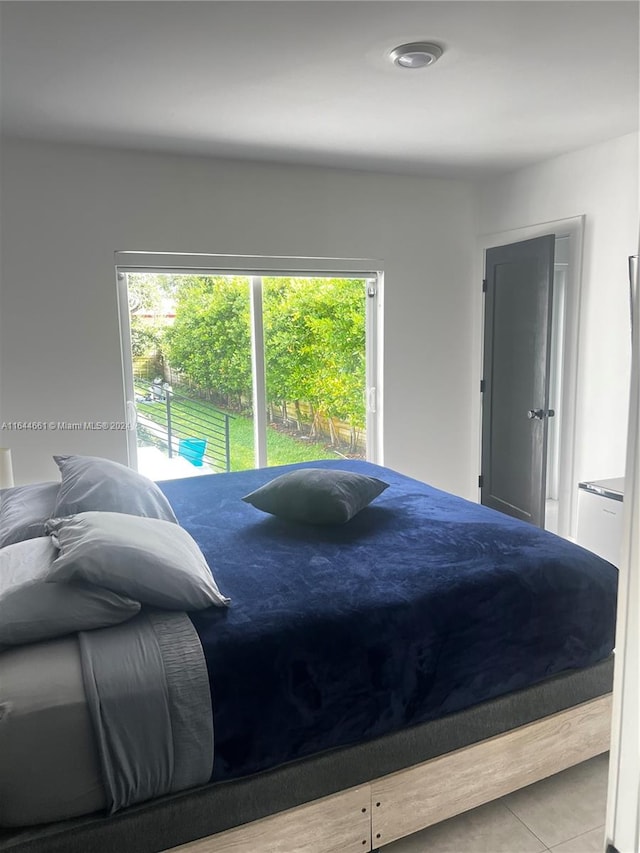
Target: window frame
{"points": [[256, 267]]}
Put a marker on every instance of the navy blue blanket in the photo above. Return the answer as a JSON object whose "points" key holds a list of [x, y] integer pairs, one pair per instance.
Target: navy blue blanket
{"points": [[422, 605]]}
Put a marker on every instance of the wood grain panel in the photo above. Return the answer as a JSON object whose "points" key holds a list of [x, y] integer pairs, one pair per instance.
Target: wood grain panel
{"points": [[340, 823], [412, 799]]}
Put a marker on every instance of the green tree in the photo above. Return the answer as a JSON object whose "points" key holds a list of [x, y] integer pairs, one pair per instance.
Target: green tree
{"points": [[150, 294], [210, 340], [315, 345], [289, 345], [146, 340], [314, 342]]}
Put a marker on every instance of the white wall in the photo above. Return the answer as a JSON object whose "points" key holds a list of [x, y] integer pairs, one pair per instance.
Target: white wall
{"points": [[600, 182], [66, 209]]}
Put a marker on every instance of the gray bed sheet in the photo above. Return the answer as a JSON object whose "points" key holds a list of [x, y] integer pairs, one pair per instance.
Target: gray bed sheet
{"points": [[50, 765], [150, 704], [103, 719]]}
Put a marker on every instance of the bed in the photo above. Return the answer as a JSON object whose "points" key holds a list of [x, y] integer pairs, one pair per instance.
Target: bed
{"points": [[367, 679]]}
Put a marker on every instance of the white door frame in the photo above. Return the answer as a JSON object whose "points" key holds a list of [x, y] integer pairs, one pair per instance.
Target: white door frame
{"points": [[256, 266], [622, 826], [573, 228]]}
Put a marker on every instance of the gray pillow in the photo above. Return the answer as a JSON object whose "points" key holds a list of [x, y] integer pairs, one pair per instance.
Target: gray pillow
{"points": [[32, 610], [154, 561], [90, 483], [24, 510], [317, 495]]}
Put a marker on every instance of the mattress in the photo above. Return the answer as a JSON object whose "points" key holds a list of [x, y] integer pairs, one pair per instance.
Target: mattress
{"points": [[422, 605]]}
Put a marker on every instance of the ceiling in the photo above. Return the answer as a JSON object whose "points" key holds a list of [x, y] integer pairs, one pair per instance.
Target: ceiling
{"points": [[306, 81]]}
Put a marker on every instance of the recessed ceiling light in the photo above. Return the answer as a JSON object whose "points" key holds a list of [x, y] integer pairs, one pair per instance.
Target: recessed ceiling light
{"points": [[418, 54]]}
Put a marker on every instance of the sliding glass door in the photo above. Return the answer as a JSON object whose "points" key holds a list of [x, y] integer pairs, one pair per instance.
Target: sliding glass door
{"points": [[233, 370]]}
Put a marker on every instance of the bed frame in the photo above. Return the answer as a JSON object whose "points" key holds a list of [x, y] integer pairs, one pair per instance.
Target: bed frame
{"points": [[364, 796], [369, 816]]}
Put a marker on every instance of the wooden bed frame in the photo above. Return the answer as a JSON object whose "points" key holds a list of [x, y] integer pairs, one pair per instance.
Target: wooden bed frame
{"points": [[366, 817]]}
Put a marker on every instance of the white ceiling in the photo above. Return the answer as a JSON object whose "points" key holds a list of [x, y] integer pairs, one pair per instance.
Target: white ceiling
{"points": [[309, 81]]}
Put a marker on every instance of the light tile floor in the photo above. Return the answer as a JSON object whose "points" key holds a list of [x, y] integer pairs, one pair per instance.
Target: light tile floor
{"points": [[562, 814]]}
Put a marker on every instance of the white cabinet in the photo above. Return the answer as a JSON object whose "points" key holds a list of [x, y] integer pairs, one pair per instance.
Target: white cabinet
{"points": [[600, 517]]}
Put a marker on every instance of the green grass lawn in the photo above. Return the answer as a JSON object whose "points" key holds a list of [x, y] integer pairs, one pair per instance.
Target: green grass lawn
{"points": [[281, 449], [195, 418]]}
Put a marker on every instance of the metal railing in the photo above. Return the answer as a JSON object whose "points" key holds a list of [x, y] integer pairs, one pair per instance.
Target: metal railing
{"points": [[168, 425]]}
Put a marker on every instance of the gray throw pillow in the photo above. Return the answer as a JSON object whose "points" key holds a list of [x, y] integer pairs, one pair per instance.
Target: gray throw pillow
{"points": [[90, 483], [316, 495], [32, 610], [24, 510], [153, 561]]}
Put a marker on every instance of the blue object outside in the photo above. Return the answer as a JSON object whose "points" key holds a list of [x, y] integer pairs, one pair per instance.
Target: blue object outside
{"points": [[192, 449]]}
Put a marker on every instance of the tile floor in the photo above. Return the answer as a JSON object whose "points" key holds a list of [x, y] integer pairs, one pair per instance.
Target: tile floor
{"points": [[562, 814]]}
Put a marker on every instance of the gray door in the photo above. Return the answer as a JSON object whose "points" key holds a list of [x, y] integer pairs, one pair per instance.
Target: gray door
{"points": [[517, 341]]}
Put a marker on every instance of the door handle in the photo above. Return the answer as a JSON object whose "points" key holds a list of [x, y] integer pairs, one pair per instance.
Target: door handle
{"points": [[540, 414]]}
